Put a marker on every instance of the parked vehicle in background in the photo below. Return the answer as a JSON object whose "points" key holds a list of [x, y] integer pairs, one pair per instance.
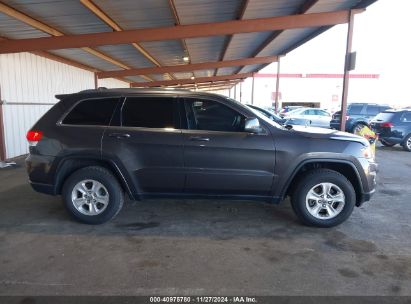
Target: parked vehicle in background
{"points": [[271, 115], [151, 143], [358, 115], [284, 111], [309, 117], [394, 127]]}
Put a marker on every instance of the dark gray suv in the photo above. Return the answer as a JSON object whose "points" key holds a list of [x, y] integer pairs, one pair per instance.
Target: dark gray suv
{"points": [[94, 146]]}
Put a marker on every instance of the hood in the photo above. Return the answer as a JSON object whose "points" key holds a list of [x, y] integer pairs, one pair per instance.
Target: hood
{"points": [[322, 133]]}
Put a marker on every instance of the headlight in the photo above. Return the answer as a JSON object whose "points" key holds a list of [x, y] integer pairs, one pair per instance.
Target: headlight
{"points": [[367, 152]]}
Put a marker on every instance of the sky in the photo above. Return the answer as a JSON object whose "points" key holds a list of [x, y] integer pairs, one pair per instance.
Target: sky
{"points": [[380, 40]]}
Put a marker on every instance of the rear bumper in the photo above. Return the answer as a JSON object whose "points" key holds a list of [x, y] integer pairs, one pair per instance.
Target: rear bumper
{"points": [[40, 173]]}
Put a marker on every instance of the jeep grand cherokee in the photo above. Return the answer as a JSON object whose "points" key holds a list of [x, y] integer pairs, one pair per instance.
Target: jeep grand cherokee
{"points": [[94, 146]]}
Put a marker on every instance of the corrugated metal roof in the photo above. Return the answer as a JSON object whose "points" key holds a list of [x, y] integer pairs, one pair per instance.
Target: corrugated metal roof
{"points": [[68, 16], [72, 17], [14, 29]]}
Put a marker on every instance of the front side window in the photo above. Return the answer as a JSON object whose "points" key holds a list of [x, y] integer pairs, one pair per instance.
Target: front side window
{"points": [[150, 112], [213, 116], [96, 112]]}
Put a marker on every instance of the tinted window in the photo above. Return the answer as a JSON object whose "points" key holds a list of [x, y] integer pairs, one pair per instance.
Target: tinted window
{"points": [[373, 110], [92, 112], [213, 116], [355, 109], [150, 112], [406, 117]]}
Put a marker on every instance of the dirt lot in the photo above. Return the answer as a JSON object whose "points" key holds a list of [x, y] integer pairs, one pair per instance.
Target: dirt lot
{"points": [[177, 247]]}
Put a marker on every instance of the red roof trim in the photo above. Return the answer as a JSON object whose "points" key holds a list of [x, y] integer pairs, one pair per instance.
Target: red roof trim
{"points": [[366, 76]]}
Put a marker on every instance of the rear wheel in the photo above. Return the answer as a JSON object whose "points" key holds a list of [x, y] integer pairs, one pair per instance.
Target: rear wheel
{"points": [[407, 143], [386, 143], [92, 195], [323, 198]]}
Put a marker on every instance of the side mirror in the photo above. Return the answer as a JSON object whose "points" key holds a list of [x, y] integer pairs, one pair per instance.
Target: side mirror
{"points": [[252, 125]]}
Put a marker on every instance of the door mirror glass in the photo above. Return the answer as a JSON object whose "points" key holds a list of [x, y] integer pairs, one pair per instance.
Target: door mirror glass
{"points": [[252, 125]]}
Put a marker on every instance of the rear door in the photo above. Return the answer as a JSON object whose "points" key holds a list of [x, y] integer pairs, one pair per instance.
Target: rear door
{"points": [[147, 142], [220, 158]]}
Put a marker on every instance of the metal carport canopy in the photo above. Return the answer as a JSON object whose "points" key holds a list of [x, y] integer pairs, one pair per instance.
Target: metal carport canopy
{"points": [[168, 43]]}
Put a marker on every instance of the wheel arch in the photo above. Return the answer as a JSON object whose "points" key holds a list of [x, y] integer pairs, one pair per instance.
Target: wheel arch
{"points": [[68, 165], [345, 167]]}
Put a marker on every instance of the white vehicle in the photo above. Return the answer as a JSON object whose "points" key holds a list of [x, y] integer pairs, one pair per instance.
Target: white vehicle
{"points": [[309, 116]]}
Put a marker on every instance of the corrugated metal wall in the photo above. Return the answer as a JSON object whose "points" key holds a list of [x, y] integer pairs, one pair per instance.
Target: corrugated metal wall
{"points": [[112, 83], [28, 84]]}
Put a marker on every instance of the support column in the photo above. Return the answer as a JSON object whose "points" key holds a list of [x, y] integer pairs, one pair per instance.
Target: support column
{"points": [[347, 68], [252, 90], [95, 81], [235, 92], [277, 86], [2, 134], [241, 92]]}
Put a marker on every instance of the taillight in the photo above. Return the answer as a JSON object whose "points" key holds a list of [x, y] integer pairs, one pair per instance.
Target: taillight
{"points": [[34, 137], [387, 125]]}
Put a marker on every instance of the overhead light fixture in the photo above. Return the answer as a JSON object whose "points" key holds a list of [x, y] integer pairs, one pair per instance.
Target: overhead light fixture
{"points": [[186, 59], [192, 77]]}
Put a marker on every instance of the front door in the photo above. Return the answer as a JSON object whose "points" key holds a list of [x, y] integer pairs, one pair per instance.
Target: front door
{"points": [[220, 158]]}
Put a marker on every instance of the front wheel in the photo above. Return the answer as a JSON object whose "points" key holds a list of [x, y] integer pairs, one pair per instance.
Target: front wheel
{"points": [[323, 198], [92, 195]]}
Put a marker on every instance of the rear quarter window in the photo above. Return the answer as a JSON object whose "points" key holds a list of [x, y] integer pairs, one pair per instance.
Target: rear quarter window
{"points": [[95, 112], [406, 117]]}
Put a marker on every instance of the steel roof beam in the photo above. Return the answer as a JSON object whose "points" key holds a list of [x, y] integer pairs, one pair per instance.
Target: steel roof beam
{"points": [[110, 22], [176, 32], [187, 67], [301, 10], [190, 81]]}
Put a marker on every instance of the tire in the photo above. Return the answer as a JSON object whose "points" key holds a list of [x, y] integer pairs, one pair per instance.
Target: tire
{"points": [[407, 143], [301, 203], [102, 204], [357, 126], [386, 143]]}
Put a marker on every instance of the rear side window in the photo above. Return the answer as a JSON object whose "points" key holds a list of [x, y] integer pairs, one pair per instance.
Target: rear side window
{"points": [[373, 110], [406, 117], [95, 112], [355, 109], [150, 112]]}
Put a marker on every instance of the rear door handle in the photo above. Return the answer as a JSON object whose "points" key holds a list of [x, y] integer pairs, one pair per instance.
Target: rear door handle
{"points": [[119, 135], [199, 138]]}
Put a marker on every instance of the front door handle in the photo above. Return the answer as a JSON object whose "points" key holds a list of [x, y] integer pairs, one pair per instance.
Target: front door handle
{"points": [[119, 135], [199, 138]]}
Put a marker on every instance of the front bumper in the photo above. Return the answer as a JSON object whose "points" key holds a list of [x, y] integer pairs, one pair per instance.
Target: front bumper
{"points": [[370, 169]]}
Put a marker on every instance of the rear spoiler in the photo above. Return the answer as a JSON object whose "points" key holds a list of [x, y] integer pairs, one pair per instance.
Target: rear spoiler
{"points": [[61, 96]]}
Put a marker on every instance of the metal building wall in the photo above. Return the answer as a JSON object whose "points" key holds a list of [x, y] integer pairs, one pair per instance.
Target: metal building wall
{"points": [[112, 83], [28, 84]]}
